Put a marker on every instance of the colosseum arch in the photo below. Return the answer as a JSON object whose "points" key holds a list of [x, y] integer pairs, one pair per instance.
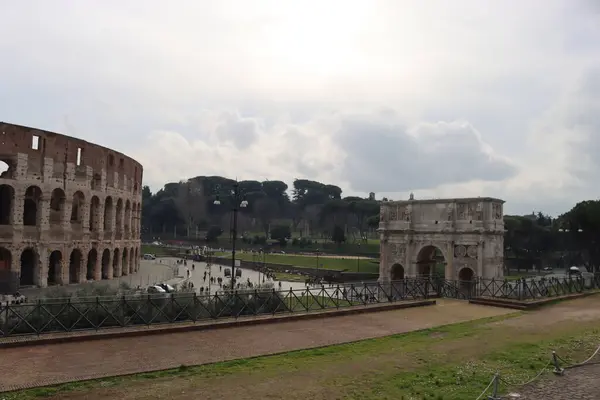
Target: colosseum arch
{"points": [[77, 210], [119, 217], [106, 264], [75, 266], [131, 260], [95, 214], [7, 204], [127, 224], [55, 268], [5, 259], [444, 235], [397, 272], [92, 260], [124, 262], [30, 268], [108, 212], [31, 206], [137, 259], [58, 200], [116, 263]]}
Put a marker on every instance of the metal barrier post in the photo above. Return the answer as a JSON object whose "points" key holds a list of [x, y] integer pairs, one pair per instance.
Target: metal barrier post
{"points": [[557, 369], [495, 388]]}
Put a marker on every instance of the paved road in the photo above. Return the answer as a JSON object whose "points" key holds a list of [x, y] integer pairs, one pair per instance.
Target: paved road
{"points": [[150, 272], [46, 365]]}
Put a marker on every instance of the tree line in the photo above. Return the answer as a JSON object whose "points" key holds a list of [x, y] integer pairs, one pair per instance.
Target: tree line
{"points": [[313, 209]]}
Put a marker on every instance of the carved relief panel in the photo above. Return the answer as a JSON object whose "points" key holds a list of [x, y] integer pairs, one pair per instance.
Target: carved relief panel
{"points": [[497, 211], [464, 251], [450, 212], [393, 213], [397, 253], [479, 212], [462, 211]]}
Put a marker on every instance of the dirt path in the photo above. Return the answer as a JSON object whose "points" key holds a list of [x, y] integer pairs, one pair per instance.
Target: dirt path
{"points": [[46, 365]]}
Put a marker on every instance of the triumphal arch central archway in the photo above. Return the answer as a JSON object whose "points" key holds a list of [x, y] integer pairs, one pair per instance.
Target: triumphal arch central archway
{"points": [[460, 238]]}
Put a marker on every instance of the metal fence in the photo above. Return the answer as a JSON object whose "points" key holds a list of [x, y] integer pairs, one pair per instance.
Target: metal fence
{"points": [[79, 314], [521, 289]]}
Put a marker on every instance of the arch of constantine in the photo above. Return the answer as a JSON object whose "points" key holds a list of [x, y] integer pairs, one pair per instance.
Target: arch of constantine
{"points": [[461, 238]]}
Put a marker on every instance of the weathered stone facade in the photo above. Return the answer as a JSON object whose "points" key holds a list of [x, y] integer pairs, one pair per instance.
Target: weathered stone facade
{"points": [[469, 234], [70, 210]]}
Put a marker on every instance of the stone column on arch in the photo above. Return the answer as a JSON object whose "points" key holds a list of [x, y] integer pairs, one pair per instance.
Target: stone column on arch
{"points": [[449, 270], [43, 212], [18, 203]]}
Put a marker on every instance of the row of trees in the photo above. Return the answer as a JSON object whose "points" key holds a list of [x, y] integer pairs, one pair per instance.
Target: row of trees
{"points": [[314, 208], [540, 241]]}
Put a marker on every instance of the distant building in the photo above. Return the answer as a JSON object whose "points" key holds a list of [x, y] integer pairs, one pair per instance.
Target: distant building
{"points": [[371, 196]]}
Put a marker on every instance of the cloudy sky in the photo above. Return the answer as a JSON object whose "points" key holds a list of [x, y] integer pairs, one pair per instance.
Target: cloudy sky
{"points": [[442, 98]]}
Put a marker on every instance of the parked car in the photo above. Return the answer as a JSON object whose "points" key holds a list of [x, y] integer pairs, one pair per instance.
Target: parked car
{"points": [[149, 257], [166, 287], [156, 289]]}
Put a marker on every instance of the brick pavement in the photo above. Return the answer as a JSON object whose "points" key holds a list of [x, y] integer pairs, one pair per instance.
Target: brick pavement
{"points": [[59, 363], [581, 383]]}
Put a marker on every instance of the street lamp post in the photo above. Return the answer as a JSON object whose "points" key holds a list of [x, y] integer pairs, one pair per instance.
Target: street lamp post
{"points": [[239, 201], [209, 268], [358, 259]]}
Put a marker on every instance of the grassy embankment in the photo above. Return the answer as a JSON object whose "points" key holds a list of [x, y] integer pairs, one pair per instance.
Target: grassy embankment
{"points": [[453, 362]]}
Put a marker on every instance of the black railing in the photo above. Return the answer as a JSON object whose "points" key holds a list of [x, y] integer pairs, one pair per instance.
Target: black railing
{"points": [[80, 314], [519, 289]]}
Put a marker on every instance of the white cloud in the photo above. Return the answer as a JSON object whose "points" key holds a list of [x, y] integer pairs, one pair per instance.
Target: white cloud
{"points": [[479, 98]]}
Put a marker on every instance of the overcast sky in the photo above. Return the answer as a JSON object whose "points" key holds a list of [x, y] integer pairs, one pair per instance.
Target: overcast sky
{"points": [[442, 98]]}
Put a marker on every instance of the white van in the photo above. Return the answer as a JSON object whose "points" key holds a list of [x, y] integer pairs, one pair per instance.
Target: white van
{"points": [[149, 257]]}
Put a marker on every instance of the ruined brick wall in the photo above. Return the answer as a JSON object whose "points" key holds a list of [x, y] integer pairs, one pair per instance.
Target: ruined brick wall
{"points": [[70, 210]]}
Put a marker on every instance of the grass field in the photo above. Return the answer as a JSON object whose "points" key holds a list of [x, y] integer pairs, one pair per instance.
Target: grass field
{"points": [[365, 265], [452, 362]]}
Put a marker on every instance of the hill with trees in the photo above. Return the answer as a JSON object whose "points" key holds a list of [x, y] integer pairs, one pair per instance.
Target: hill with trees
{"points": [[312, 214]]}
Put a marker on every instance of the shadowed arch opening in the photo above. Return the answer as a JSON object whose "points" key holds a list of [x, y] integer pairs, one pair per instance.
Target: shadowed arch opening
{"points": [[92, 259], [131, 260], [119, 216], [430, 261], [77, 209], [29, 267], [75, 266], [58, 200], [127, 221], [108, 212], [137, 259], [55, 268], [466, 279], [397, 272], [31, 206], [95, 214], [124, 270], [7, 204], [116, 263], [106, 264]]}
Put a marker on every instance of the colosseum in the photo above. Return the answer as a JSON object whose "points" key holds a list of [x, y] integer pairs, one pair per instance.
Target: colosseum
{"points": [[69, 210]]}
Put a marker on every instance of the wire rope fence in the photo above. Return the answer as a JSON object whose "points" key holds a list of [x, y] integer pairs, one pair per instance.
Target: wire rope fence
{"points": [[556, 364]]}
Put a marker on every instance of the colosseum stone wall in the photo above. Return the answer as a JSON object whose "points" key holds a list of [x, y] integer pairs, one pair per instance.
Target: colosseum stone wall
{"points": [[70, 210]]}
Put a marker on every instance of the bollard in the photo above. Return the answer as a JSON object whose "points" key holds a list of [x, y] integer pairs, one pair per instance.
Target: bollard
{"points": [[495, 388], [557, 369]]}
